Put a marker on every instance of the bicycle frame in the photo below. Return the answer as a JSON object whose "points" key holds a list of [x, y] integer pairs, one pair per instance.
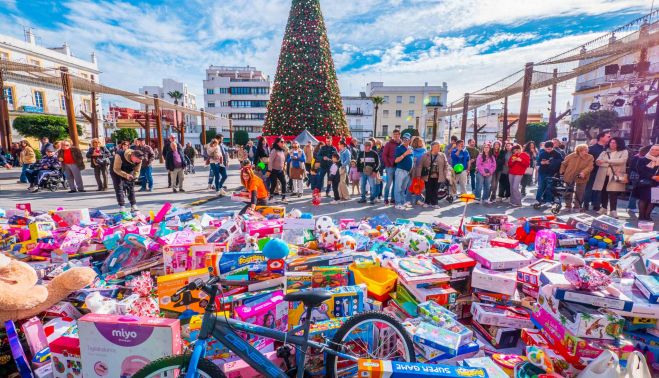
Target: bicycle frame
{"points": [[223, 329]]}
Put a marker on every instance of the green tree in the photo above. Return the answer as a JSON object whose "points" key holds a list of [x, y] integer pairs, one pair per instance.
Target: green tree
{"points": [[598, 120], [536, 132], [240, 137], [210, 134], [176, 95], [124, 134], [377, 101], [305, 93], [38, 126]]}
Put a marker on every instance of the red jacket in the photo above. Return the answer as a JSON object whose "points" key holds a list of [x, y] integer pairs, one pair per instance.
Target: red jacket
{"points": [[388, 153], [519, 167]]}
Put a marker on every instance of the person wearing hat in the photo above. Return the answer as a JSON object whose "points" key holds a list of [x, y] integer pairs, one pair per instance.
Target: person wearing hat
{"points": [[403, 160], [48, 163], [125, 170]]}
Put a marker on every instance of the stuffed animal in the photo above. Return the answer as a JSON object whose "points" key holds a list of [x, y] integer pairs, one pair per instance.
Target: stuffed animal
{"points": [[21, 298], [323, 223]]}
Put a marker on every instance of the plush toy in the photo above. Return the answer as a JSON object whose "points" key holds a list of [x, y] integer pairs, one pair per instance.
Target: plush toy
{"points": [[323, 223], [21, 298], [330, 237], [275, 249], [295, 213], [251, 243], [347, 242]]}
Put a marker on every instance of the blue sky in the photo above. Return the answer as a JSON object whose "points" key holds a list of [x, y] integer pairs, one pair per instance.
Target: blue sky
{"points": [[467, 43]]}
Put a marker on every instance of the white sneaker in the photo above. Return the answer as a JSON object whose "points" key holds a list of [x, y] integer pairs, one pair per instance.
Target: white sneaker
{"points": [[425, 206], [134, 209], [122, 209], [223, 192], [400, 207], [408, 205], [333, 202], [602, 211], [613, 214]]}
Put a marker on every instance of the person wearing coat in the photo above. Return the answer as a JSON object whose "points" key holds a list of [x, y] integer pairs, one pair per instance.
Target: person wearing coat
{"points": [[26, 158], [576, 170], [71, 158], [100, 160], [434, 170], [175, 163], [486, 165], [612, 163], [648, 178], [517, 164]]}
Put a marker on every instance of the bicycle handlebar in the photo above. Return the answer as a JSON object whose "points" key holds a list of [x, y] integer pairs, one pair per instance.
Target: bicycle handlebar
{"points": [[213, 280]]}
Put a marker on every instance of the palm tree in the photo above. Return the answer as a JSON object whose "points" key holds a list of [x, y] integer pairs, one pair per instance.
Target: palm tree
{"points": [[176, 95], [377, 100]]}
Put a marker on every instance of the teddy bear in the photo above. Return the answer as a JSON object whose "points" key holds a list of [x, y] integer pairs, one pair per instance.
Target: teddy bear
{"points": [[21, 297]]}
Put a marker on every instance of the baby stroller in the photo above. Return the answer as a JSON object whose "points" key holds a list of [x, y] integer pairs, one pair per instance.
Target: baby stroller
{"points": [[51, 180], [556, 188], [444, 191]]}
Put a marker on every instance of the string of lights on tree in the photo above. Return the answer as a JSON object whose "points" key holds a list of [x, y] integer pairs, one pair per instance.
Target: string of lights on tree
{"points": [[305, 93]]}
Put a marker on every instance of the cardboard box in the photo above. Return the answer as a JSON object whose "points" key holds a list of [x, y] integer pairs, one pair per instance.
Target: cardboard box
{"points": [[504, 282], [641, 308], [608, 224], [279, 211], [188, 301], [493, 370], [649, 286], [457, 266], [395, 369], [345, 301], [264, 228], [603, 299], [501, 316], [443, 295], [271, 313], [498, 337], [440, 338], [418, 271], [498, 258], [75, 217], [65, 357], [118, 346], [530, 275], [306, 263]]}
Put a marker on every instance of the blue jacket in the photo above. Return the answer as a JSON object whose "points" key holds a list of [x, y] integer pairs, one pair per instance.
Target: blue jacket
{"points": [[299, 162], [555, 159], [51, 163], [460, 157], [345, 157]]}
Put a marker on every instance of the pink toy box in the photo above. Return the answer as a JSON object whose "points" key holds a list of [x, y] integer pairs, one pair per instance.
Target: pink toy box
{"points": [[65, 356], [240, 368], [119, 346], [75, 217], [264, 228], [272, 313]]}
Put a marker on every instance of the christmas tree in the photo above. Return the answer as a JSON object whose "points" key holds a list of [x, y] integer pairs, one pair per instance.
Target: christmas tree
{"points": [[306, 92]]}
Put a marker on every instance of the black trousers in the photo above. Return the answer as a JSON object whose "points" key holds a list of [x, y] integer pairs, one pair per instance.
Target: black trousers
{"points": [[335, 180], [432, 185], [609, 197], [261, 202], [275, 176], [122, 189], [504, 186]]}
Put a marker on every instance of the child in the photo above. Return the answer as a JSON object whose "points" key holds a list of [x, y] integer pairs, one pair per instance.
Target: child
{"points": [[355, 176], [334, 177]]}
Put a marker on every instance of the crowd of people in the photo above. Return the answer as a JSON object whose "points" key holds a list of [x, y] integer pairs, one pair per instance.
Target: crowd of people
{"points": [[403, 171]]}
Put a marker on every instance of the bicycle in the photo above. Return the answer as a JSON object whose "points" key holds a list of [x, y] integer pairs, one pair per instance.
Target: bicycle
{"points": [[344, 350]]}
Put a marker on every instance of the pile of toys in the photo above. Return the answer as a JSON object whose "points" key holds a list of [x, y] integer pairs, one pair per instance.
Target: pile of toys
{"points": [[89, 294]]}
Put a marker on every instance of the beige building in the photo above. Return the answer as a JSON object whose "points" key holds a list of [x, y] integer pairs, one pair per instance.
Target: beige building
{"points": [[407, 107]]}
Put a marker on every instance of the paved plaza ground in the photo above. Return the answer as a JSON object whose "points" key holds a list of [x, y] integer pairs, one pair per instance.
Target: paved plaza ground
{"points": [[196, 191]]}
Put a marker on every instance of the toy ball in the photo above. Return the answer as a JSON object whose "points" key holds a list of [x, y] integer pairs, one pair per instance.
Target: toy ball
{"points": [[348, 242], [323, 223], [417, 244], [602, 244], [607, 241], [261, 165], [275, 249], [593, 241], [458, 168], [295, 213]]}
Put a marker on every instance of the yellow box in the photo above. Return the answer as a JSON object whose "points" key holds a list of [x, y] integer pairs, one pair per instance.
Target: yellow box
{"points": [[267, 210], [194, 300]]}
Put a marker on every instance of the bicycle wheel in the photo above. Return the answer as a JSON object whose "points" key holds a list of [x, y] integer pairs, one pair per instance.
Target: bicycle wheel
{"points": [[372, 335], [175, 366]]}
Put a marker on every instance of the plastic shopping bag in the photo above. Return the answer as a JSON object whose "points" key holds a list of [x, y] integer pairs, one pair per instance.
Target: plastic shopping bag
{"points": [[637, 366], [606, 365]]}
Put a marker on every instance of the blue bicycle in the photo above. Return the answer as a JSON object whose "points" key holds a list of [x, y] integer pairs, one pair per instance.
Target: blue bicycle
{"points": [[371, 335]]}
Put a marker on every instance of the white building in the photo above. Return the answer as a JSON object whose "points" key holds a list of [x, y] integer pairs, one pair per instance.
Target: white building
{"points": [[25, 96], [238, 95], [189, 100], [613, 88], [359, 115], [407, 107]]}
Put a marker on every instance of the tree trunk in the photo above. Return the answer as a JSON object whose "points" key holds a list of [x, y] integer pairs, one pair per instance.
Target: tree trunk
{"points": [[375, 124]]}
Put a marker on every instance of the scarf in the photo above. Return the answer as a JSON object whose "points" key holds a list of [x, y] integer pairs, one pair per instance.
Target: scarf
{"points": [[654, 160]]}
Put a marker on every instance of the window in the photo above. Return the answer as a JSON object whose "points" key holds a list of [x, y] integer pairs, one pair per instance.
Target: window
{"points": [[399, 99], [224, 103], [410, 126], [35, 62], [410, 113], [87, 105], [248, 116], [385, 129], [412, 99], [222, 90], [62, 102], [4, 55], [38, 99], [211, 105], [399, 113], [210, 91], [84, 75], [385, 100], [248, 104], [358, 122], [249, 90], [9, 95], [398, 127], [385, 114], [434, 101]]}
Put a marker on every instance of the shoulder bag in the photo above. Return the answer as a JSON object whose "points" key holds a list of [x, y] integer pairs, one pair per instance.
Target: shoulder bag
{"points": [[368, 170], [623, 178]]}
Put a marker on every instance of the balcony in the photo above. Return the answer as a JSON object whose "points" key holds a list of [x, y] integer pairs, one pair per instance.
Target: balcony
{"points": [[351, 112], [434, 104]]}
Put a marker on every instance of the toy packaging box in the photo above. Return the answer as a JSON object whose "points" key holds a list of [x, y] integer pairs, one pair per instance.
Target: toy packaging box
{"points": [[298, 281], [271, 313], [418, 272], [604, 299], [649, 286], [329, 276], [189, 300], [530, 275], [241, 265], [65, 356], [75, 217], [345, 301], [278, 211], [498, 258], [498, 337], [314, 363], [395, 369], [504, 282], [444, 295], [306, 263], [119, 346], [491, 368], [264, 228], [439, 338], [501, 316]]}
